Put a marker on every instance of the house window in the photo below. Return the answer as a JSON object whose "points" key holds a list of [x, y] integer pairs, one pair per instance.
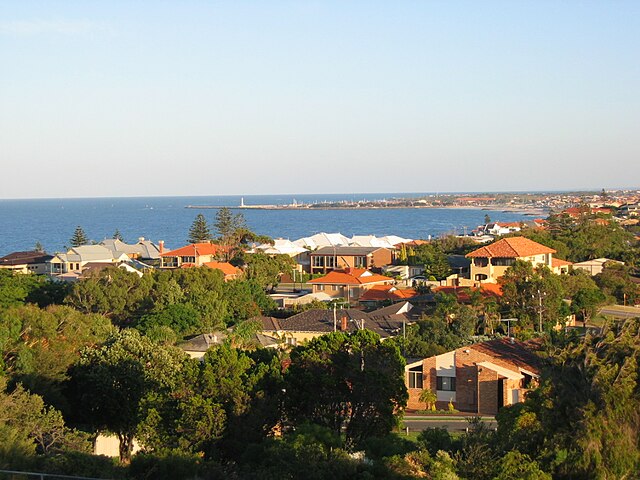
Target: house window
{"points": [[318, 261], [503, 262], [320, 288], [481, 262], [330, 262], [360, 262], [446, 384], [415, 379]]}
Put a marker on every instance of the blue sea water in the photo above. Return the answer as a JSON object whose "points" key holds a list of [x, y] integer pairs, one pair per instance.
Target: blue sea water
{"points": [[52, 221]]}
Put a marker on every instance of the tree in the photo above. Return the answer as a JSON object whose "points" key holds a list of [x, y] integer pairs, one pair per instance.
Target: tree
{"points": [[199, 231], [352, 380], [586, 302], [37, 346], [534, 296], [79, 237], [428, 398], [110, 385], [117, 235], [113, 292], [265, 270], [28, 427], [228, 227], [38, 247], [487, 219], [582, 422]]}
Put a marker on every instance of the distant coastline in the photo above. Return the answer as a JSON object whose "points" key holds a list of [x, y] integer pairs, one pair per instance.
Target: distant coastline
{"points": [[494, 208]]}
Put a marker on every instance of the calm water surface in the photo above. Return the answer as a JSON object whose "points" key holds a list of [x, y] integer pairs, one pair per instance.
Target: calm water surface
{"points": [[52, 221]]}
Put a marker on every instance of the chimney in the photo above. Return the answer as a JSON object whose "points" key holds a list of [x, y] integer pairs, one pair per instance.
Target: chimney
{"points": [[161, 246], [343, 324]]}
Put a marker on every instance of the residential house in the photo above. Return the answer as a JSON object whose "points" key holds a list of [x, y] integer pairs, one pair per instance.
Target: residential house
{"points": [[479, 378], [349, 284], [389, 241], [630, 209], [283, 246], [144, 250], [76, 258], [386, 293], [193, 255], [499, 228], [229, 271], [322, 239], [387, 323], [595, 266], [464, 294], [327, 259], [26, 262], [490, 262]]}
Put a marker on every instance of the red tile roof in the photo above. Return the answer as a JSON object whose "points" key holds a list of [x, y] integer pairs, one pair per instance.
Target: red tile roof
{"points": [[193, 250], [463, 294], [556, 262], [225, 267], [514, 247], [355, 276], [387, 292]]}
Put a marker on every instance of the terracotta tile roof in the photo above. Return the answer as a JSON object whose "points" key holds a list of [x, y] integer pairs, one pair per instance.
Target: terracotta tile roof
{"points": [[225, 267], [556, 262], [387, 292], [514, 352], [355, 276], [463, 294], [514, 247], [193, 250]]}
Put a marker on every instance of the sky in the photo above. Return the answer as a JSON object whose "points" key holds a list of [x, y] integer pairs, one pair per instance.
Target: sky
{"points": [[141, 98]]}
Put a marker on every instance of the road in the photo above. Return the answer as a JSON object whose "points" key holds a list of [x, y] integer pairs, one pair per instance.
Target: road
{"points": [[618, 311], [457, 424]]}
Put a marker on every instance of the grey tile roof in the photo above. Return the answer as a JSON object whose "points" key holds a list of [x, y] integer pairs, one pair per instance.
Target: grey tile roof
{"points": [[322, 321]]}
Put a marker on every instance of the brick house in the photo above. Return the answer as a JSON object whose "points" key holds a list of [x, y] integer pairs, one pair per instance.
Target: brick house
{"points": [[193, 255], [479, 378], [327, 259], [490, 262], [349, 284]]}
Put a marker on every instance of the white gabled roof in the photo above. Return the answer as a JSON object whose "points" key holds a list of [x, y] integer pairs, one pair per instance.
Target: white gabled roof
{"points": [[281, 246], [323, 240]]}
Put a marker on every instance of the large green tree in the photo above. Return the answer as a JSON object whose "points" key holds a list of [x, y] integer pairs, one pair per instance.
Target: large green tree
{"points": [[79, 237], [533, 296], [199, 231], [351, 380], [110, 385]]}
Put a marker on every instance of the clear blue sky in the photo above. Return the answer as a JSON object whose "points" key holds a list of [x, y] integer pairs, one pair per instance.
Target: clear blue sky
{"points": [[119, 98]]}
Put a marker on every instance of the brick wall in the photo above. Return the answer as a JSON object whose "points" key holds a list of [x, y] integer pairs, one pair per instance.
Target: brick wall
{"points": [[476, 391]]}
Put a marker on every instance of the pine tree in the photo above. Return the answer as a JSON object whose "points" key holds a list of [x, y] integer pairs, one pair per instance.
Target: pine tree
{"points": [[199, 231], [38, 247], [228, 225], [79, 237], [117, 235]]}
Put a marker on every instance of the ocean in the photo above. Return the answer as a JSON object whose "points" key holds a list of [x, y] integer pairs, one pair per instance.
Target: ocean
{"points": [[53, 221]]}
